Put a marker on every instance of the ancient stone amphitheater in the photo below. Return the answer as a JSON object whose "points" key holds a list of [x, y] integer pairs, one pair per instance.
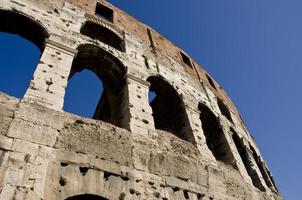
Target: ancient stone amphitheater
{"points": [[189, 142]]}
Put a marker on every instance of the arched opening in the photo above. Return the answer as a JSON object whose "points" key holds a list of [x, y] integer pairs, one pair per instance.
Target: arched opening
{"points": [[215, 138], [264, 173], [272, 179], [86, 197], [247, 162], [77, 93], [112, 106], [27, 28], [103, 34], [22, 43], [168, 109], [224, 110]]}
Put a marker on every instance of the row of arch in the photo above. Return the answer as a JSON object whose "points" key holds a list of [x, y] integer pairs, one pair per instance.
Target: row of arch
{"points": [[112, 105], [168, 108]]}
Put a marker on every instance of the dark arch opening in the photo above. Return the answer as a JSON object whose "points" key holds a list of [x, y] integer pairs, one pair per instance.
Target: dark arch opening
{"points": [[246, 161], [113, 104], [24, 26], [22, 42], [86, 197], [263, 170], [215, 138], [272, 179], [103, 34], [168, 109], [224, 110]]}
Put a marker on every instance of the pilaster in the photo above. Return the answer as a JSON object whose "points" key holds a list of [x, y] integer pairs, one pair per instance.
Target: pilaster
{"points": [[141, 113], [50, 78]]}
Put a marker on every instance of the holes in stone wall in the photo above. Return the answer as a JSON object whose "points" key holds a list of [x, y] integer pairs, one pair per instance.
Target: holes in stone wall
{"points": [[261, 168], [83, 170], [24, 41], [211, 81], [224, 110], [122, 196], [112, 106], [168, 109], [149, 33], [64, 164], [132, 191], [200, 196], [103, 34], [86, 197], [186, 194], [146, 62], [104, 12], [107, 175], [186, 60], [247, 162], [215, 138], [62, 181]]}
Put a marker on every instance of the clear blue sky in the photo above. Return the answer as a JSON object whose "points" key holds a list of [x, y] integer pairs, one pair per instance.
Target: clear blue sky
{"points": [[252, 48]]}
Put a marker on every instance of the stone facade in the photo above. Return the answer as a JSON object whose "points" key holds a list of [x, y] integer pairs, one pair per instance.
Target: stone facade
{"points": [[188, 143]]}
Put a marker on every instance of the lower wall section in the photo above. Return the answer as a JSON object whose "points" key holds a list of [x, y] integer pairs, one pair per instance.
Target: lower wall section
{"points": [[51, 155]]}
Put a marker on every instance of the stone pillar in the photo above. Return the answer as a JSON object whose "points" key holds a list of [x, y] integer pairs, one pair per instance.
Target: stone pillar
{"points": [[250, 169], [255, 168], [141, 118], [50, 78], [200, 139], [225, 128]]}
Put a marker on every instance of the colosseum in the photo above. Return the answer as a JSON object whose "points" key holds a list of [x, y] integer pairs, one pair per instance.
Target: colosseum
{"points": [[188, 142]]}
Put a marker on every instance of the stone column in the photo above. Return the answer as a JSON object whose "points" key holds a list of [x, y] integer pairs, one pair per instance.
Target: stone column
{"points": [[250, 169], [141, 119], [199, 137], [230, 156], [255, 168], [50, 78]]}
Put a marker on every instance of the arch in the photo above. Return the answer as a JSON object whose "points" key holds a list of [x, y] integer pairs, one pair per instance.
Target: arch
{"points": [[26, 27], [169, 111], [113, 104], [260, 165], [86, 197], [103, 34], [19, 29], [77, 91], [245, 157], [215, 138], [224, 110]]}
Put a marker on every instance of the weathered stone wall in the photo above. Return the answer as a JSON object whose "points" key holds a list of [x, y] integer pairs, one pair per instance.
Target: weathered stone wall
{"points": [[46, 153]]}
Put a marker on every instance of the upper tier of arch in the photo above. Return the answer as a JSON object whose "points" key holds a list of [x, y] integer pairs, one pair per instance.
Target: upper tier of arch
{"points": [[155, 42]]}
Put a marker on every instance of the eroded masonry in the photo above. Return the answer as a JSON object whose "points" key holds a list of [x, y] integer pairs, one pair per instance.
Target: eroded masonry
{"points": [[189, 142]]}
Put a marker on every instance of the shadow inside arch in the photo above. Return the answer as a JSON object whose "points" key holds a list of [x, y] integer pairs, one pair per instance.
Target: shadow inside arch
{"points": [[113, 104], [168, 109], [26, 27], [22, 44], [103, 34], [86, 197]]}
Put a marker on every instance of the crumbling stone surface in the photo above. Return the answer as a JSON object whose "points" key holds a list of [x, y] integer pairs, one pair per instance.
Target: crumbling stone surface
{"points": [[131, 149], [7, 108]]}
